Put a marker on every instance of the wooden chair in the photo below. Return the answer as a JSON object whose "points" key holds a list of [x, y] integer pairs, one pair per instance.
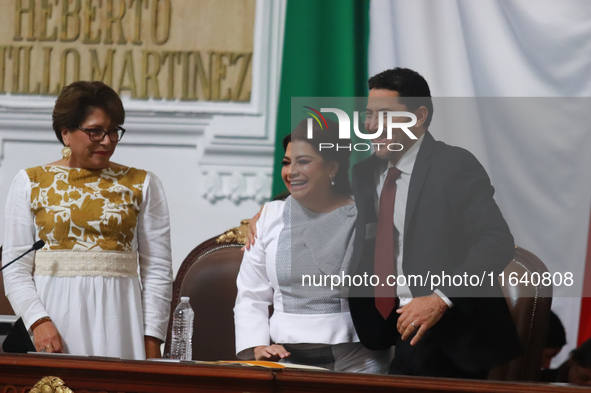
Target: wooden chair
{"points": [[208, 276], [530, 308]]}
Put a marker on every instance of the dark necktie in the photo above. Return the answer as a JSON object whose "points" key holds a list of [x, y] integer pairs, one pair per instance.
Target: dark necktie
{"points": [[386, 249]]}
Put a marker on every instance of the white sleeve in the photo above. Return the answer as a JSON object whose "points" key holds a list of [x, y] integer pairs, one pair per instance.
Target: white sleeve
{"points": [[153, 234], [255, 295], [444, 298], [19, 236]]}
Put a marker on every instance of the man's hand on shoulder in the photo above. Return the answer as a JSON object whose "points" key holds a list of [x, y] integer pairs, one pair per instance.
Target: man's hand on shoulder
{"points": [[420, 315], [252, 230]]}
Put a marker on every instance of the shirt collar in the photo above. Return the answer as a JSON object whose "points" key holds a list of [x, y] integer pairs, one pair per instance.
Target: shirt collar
{"points": [[407, 161]]}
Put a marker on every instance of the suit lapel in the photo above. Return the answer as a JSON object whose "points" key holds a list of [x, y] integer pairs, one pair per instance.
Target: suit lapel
{"points": [[419, 174]]}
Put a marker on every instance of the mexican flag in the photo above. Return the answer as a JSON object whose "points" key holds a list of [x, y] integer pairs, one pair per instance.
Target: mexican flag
{"points": [[324, 55]]}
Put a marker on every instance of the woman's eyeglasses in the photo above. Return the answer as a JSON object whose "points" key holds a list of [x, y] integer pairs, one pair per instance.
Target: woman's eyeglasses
{"points": [[98, 134]]}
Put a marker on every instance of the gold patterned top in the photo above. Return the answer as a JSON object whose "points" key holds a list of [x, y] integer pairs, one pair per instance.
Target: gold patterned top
{"points": [[83, 209]]}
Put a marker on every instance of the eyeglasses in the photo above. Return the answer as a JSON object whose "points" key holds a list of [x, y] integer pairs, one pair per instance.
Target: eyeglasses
{"points": [[98, 134]]}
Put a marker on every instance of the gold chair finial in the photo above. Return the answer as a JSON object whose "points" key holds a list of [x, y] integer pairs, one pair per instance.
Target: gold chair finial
{"points": [[235, 235]]}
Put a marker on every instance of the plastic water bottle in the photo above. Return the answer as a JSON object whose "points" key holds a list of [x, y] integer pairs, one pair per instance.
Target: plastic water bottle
{"points": [[182, 331]]}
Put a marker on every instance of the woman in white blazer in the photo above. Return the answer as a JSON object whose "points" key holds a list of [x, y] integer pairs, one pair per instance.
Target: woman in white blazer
{"points": [[302, 245]]}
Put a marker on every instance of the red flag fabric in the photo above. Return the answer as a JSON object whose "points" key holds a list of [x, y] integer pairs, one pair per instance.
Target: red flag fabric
{"points": [[585, 316]]}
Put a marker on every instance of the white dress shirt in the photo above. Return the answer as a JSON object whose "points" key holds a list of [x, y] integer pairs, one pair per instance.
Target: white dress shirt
{"points": [[405, 165]]}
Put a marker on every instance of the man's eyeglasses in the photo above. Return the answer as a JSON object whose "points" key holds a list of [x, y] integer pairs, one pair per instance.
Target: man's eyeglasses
{"points": [[98, 134]]}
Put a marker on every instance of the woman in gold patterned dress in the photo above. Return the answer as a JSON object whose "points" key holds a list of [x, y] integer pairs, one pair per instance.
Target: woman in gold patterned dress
{"points": [[101, 285]]}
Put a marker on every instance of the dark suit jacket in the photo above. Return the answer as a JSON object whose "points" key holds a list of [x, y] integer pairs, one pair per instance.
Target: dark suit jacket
{"points": [[452, 225]]}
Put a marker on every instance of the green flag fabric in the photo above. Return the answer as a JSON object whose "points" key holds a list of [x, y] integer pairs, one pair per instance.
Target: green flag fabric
{"points": [[324, 55]]}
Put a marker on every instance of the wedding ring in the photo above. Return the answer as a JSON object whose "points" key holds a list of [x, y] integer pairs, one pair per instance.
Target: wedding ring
{"points": [[413, 324], [42, 350], [48, 345]]}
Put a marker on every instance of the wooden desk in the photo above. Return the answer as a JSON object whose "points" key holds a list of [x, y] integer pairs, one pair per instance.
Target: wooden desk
{"points": [[95, 375]]}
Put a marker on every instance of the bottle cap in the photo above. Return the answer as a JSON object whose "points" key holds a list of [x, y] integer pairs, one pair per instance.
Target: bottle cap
{"points": [[185, 298]]}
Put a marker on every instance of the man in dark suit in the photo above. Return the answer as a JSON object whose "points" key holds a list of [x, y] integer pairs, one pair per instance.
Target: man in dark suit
{"points": [[431, 208]]}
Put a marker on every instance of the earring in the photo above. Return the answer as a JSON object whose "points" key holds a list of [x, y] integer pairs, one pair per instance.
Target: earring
{"points": [[332, 181], [66, 152]]}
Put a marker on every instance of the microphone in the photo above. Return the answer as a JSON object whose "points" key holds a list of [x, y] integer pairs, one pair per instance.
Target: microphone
{"points": [[38, 244]]}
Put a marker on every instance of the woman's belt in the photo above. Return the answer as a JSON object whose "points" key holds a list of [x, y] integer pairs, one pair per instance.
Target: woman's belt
{"points": [[86, 263]]}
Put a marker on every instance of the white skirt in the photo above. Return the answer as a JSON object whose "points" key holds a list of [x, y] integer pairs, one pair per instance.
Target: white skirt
{"points": [[96, 315]]}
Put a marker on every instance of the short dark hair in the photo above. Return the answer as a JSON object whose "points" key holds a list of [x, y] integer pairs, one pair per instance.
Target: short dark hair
{"points": [[556, 336], [75, 100], [408, 83], [582, 355], [286, 141], [327, 134]]}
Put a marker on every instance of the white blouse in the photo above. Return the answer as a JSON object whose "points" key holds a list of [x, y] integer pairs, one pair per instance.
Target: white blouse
{"points": [[259, 287], [104, 219]]}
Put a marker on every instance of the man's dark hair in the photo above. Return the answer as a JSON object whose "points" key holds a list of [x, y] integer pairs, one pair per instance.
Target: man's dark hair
{"points": [[329, 134], [407, 83], [76, 101]]}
